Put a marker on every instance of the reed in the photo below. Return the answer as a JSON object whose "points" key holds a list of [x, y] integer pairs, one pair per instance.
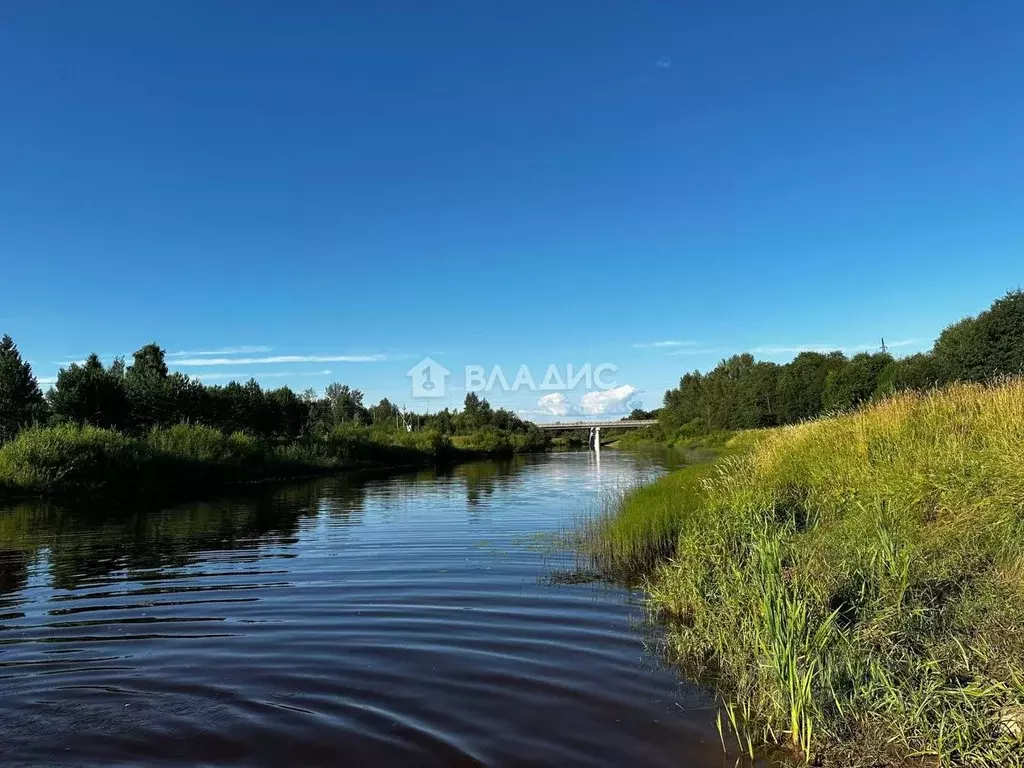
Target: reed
{"points": [[854, 586]]}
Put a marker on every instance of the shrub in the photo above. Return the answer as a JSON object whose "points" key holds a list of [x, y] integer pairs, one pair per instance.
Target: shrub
{"points": [[70, 458]]}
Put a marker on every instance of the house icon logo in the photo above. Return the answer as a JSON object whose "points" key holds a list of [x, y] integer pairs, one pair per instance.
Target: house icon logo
{"points": [[428, 378]]}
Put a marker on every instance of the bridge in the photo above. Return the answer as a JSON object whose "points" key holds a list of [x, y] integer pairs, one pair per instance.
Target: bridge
{"points": [[595, 427], [567, 425]]}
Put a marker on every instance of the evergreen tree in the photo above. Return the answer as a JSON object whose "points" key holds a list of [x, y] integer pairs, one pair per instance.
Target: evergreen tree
{"points": [[89, 394], [148, 389], [21, 401]]}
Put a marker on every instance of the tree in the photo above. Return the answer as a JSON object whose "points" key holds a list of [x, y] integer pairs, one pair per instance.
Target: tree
{"points": [[187, 400], [961, 351], [476, 413], [318, 412], [639, 414], [686, 407], [739, 393], [991, 344], [288, 411], [856, 382], [21, 401], [149, 394], [89, 394], [346, 404], [921, 372], [385, 413], [801, 385]]}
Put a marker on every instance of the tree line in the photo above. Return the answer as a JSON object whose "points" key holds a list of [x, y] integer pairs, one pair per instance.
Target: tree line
{"points": [[144, 394], [744, 393]]}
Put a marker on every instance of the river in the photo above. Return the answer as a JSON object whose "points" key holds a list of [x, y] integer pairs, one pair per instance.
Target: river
{"points": [[408, 619]]}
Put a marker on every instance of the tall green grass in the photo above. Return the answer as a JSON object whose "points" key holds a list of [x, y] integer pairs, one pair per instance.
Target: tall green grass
{"points": [[72, 460], [637, 530], [854, 586]]}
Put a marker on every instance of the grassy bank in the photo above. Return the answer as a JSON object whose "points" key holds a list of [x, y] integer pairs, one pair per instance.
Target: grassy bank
{"points": [[87, 461], [854, 586]]}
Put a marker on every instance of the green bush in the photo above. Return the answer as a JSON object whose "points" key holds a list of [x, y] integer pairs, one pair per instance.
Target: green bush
{"points": [[71, 458]]}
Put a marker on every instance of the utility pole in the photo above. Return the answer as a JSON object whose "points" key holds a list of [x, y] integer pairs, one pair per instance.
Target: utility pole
{"points": [[884, 349]]}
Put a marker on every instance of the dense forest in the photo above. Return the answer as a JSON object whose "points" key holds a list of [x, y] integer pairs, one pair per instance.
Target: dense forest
{"points": [[744, 393], [144, 395], [135, 429]]}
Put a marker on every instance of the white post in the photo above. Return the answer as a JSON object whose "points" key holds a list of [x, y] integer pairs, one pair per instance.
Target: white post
{"points": [[597, 439]]}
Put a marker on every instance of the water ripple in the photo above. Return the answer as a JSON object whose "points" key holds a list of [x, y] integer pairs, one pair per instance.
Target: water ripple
{"points": [[398, 620]]}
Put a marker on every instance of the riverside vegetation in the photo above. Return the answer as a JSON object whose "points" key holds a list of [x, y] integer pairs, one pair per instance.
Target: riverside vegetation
{"points": [[140, 428], [853, 586]]}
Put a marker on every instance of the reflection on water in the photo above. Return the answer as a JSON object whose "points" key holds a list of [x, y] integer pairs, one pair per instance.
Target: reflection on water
{"points": [[358, 620]]}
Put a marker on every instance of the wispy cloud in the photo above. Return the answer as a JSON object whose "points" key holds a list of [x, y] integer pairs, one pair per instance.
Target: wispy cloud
{"points": [[700, 351], [242, 350], [782, 349], [47, 379], [279, 359], [245, 376], [665, 62], [664, 344]]}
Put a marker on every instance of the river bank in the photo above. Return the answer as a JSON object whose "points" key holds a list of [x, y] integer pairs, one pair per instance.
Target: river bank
{"points": [[853, 586], [186, 460]]}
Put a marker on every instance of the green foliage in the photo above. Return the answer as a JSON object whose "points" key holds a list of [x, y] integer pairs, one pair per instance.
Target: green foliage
{"points": [[741, 393], [72, 458], [801, 385], [21, 401], [148, 389], [921, 372], [855, 382], [346, 404], [991, 344], [854, 586], [89, 394]]}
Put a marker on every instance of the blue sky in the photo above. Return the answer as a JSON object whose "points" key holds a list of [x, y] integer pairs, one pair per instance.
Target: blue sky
{"points": [[348, 187]]}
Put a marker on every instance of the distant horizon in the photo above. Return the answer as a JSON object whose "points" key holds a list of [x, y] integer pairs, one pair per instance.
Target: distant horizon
{"points": [[608, 402]]}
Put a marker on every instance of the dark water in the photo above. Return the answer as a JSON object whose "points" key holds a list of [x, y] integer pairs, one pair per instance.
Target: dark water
{"points": [[401, 620]]}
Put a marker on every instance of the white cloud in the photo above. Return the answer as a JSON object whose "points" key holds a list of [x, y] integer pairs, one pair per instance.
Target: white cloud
{"points": [[610, 401], [243, 350], [246, 376], [47, 379], [663, 344], [606, 402], [555, 404], [280, 359], [665, 62]]}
